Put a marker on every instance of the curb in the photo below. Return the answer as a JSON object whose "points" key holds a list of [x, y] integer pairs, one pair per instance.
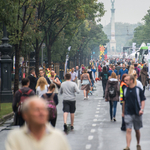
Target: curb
{"points": [[6, 117]]}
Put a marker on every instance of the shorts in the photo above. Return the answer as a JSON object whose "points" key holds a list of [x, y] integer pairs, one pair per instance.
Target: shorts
{"points": [[69, 106], [92, 81], [133, 120]]}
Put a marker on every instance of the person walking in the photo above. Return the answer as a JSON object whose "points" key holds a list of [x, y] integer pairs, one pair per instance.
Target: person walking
{"points": [[33, 80], [52, 100], [42, 74], [123, 85], [113, 70], [144, 77], [112, 95], [137, 69], [19, 99], [78, 76], [137, 82], [133, 108], [131, 69], [41, 87], [73, 75], [122, 71], [105, 74], [91, 74], [99, 70], [37, 133], [85, 83], [56, 81], [68, 89]]}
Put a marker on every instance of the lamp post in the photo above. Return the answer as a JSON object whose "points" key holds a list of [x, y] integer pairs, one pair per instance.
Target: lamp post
{"points": [[32, 61], [6, 95]]}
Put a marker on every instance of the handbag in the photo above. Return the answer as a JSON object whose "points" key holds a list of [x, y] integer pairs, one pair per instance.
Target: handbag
{"points": [[85, 82]]}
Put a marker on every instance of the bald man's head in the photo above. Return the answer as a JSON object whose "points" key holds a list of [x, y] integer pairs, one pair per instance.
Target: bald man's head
{"points": [[35, 111]]}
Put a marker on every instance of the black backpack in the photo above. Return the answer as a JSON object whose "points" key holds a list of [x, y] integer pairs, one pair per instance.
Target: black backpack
{"points": [[112, 91]]}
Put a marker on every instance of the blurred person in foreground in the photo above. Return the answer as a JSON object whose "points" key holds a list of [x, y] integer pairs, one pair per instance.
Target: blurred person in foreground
{"points": [[37, 133]]}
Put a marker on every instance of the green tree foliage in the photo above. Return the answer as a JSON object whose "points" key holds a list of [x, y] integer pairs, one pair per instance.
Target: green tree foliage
{"points": [[58, 23], [142, 32]]}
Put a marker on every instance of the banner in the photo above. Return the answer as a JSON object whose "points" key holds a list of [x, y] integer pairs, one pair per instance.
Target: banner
{"points": [[148, 44], [103, 53], [133, 47]]}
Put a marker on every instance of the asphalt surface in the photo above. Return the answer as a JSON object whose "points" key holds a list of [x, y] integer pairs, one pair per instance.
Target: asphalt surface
{"points": [[93, 128]]}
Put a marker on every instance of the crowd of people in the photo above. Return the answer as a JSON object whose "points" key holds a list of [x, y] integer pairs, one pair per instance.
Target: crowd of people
{"points": [[122, 81]]}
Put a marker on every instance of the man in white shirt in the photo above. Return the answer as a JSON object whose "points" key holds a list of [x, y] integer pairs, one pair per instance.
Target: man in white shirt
{"points": [[73, 75], [37, 134]]}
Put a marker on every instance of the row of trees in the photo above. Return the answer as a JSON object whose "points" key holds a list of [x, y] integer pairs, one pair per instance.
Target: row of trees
{"points": [[142, 32], [58, 23]]}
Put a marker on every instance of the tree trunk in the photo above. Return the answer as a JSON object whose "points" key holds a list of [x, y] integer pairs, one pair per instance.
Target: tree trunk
{"points": [[49, 54], [37, 58], [17, 54]]}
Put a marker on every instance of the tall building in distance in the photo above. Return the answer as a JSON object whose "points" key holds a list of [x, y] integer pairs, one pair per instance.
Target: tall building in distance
{"points": [[113, 40]]}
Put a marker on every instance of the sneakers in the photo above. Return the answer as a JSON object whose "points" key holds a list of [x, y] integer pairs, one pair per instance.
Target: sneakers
{"points": [[114, 119], [138, 147], [72, 127], [65, 127], [84, 98]]}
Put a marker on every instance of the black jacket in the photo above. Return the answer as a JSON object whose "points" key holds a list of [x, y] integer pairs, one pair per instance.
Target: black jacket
{"points": [[33, 82]]}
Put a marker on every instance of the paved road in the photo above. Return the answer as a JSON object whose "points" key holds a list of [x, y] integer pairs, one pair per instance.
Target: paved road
{"points": [[93, 129]]}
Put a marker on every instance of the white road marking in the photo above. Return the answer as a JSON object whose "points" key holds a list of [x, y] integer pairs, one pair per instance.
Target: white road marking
{"points": [[96, 115], [94, 120], [97, 112], [88, 146], [98, 105], [93, 130], [90, 137], [98, 108], [94, 125]]}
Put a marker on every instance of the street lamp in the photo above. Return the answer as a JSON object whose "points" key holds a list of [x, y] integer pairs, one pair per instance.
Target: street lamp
{"points": [[6, 64]]}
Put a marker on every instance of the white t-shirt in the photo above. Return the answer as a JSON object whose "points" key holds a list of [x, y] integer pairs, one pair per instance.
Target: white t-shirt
{"points": [[39, 92], [139, 84]]}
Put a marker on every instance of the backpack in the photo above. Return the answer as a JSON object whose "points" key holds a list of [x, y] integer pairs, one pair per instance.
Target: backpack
{"points": [[23, 97], [51, 106], [136, 70], [112, 91]]}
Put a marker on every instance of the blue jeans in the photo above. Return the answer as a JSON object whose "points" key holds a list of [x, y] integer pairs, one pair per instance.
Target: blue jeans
{"points": [[113, 109]]}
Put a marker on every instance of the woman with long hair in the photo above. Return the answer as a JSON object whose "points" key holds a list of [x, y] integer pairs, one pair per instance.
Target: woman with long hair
{"points": [[85, 83], [137, 82], [112, 95], [52, 100], [41, 86], [131, 69], [144, 77], [123, 85]]}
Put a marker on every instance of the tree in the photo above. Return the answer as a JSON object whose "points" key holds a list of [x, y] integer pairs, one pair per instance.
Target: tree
{"points": [[142, 32]]}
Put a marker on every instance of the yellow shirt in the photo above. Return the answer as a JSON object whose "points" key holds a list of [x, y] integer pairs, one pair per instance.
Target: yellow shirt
{"points": [[21, 139]]}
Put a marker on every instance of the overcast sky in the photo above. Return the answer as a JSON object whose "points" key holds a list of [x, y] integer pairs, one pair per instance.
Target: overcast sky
{"points": [[127, 11]]}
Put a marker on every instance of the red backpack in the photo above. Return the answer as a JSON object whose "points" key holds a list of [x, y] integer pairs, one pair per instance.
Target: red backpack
{"points": [[23, 97]]}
